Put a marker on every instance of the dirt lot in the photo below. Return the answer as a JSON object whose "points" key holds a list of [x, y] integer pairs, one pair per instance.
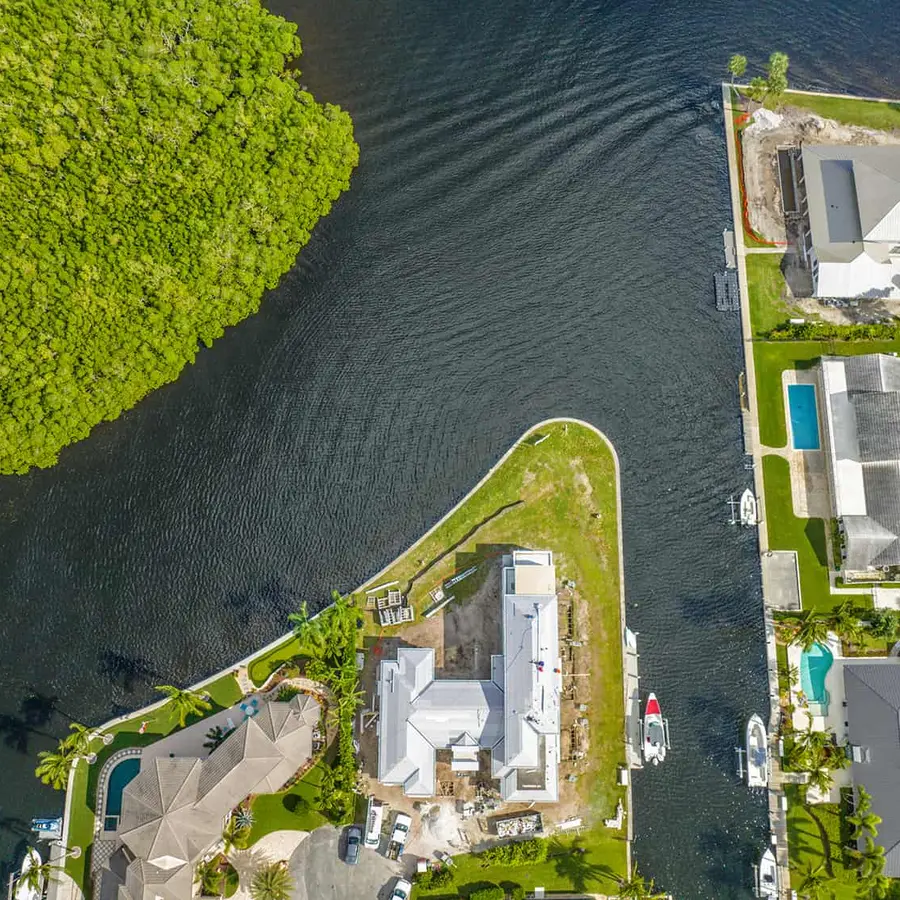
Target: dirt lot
{"points": [[464, 636], [791, 127]]}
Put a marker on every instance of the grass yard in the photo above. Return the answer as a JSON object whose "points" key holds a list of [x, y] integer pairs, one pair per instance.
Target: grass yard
{"points": [[566, 868], [290, 810], [766, 287], [263, 666], [806, 536], [814, 836], [773, 357], [882, 115], [559, 494]]}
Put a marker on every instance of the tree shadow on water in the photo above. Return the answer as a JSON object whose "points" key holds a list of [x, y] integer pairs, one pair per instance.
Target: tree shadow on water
{"points": [[125, 671]]}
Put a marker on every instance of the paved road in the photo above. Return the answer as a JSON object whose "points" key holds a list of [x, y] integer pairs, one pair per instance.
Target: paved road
{"points": [[320, 873]]}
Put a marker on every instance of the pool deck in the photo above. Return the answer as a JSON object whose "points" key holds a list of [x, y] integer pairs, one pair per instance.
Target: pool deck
{"points": [[834, 719]]}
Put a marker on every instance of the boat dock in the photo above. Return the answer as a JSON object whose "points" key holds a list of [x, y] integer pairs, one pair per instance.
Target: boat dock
{"points": [[727, 296], [633, 741], [752, 445]]}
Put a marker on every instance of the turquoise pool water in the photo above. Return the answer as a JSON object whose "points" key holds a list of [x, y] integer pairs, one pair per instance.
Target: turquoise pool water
{"points": [[119, 778], [814, 665], [804, 420]]}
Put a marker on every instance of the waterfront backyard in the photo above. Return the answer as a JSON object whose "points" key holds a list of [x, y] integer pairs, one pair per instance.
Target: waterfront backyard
{"points": [[556, 489]]}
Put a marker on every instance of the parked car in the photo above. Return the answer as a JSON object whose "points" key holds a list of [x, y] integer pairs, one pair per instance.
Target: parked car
{"points": [[354, 841], [402, 890]]}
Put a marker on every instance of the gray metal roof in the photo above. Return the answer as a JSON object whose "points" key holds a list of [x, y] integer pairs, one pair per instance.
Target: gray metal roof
{"points": [[872, 692], [853, 194], [175, 808], [864, 424]]}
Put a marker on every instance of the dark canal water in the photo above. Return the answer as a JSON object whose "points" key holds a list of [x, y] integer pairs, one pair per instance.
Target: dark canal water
{"points": [[531, 232]]}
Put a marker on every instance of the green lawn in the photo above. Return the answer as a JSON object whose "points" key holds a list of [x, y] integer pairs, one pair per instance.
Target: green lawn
{"points": [[766, 286], [806, 536], [278, 812], [564, 870], [878, 114], [263, 666], [814, 836], [773, 357], [559, 495]]}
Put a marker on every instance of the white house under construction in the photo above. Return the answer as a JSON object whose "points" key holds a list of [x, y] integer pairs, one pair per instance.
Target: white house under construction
{"points": [[515, 714]]}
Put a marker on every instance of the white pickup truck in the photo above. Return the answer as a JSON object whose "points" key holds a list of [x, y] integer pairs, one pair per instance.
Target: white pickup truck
{"points": [[399, 834]]}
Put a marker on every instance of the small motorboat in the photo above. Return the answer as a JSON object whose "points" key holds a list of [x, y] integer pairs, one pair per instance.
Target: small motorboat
{"points": [[656, 732], [757, 753], [47, 829], [26, 887], [748, 508], [767, 876]]}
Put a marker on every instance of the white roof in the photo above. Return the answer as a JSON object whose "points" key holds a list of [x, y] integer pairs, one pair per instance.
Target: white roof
{"points": [[515, 714]]}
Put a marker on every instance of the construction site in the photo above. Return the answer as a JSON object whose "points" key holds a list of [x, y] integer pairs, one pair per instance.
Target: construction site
{"points": [[771, 143], [467, 812]]}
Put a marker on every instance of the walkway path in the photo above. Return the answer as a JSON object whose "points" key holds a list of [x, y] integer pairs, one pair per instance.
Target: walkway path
{"points": [[777, 817]]}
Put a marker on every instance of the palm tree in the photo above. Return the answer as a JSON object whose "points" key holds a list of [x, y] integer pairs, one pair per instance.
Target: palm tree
{"points": [[813, 630], [737, 65], [272, 882], [636, 888], [820, 778], [185, 702], [54, 766], [847, 625], [80, 739], [875, 887], [210, 878], [869, 861], [37, 876], [815, 883], [863, 800]]}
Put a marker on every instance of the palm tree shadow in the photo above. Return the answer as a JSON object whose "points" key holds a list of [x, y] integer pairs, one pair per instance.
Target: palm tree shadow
{"points": [[38, 709], [572, 864], [126, 671]]}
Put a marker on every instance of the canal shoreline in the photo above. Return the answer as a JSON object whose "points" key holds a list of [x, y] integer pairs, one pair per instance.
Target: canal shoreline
{"points": [[65, 888]]}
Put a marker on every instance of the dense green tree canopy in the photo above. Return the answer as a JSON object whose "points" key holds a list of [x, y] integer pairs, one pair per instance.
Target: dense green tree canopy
{"points": [[159, 168]]}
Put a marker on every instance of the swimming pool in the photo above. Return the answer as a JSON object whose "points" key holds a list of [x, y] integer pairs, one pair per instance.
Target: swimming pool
{"points": [[814, 666], [119, 778], [804, 421]]}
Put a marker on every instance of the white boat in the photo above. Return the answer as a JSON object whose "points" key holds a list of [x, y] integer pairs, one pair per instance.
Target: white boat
{"points": [[767, 876], [748, 508], [656, 732], [757, 753], [24, 890]]}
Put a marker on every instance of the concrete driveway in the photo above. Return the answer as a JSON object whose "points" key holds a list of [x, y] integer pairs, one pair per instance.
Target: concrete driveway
{"points": [[321, 874]]}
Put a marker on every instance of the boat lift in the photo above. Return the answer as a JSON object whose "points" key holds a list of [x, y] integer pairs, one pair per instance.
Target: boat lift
{"points": [[665, 725]]}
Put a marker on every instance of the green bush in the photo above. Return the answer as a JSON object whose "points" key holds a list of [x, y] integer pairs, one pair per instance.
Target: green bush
{"points": [[518, 853], [824, 331], [288, 692], [161, 168], [495, 892], [518, 893], [435, 878]]}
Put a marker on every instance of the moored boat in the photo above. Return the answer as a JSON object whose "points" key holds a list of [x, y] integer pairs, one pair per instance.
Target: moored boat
{"points": [[27, 888], [767, 876], [748, 508], [757, 753], [656, 738]]}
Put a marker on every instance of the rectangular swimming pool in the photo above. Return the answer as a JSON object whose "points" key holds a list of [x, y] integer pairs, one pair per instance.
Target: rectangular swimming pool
{"points": [[804, 420]]}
